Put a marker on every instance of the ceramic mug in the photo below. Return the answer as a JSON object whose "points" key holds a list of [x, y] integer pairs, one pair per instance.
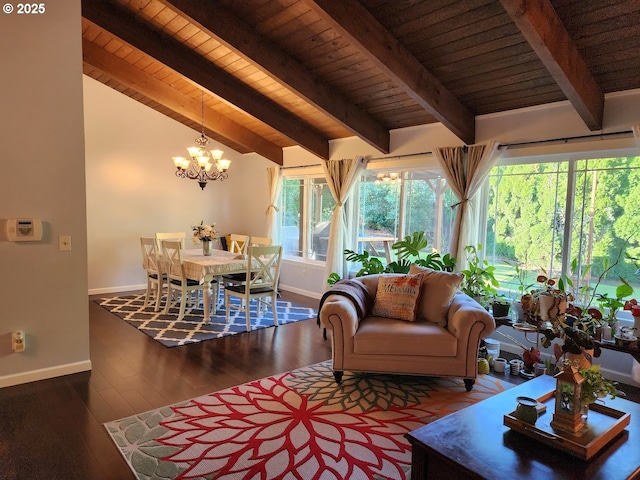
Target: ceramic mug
{"points": [[499, 364], [516, 365]]}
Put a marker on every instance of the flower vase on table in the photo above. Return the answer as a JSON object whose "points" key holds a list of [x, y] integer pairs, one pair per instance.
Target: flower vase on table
{"points": [[207, 247], [205, 234]]}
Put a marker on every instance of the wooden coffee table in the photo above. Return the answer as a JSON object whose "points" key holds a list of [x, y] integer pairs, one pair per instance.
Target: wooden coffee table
{"points": [[474, 443]]}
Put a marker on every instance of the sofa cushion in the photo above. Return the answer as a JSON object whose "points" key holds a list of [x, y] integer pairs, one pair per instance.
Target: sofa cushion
{"points": [[397, 297], [437, 292], [387, 336]]}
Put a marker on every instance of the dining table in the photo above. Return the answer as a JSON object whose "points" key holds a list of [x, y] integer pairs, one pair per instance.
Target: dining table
{"points": [[198, 266]]}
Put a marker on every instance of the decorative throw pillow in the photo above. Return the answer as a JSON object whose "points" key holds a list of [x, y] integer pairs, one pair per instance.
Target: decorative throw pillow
{"points": [[438, 290], [397, 297]]}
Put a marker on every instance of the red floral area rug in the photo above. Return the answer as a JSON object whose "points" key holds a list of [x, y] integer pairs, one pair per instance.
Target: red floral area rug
{"points": [[297, 425]]}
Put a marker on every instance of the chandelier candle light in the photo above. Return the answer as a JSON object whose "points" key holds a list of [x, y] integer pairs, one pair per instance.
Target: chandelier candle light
{"points": [[202, 161]]}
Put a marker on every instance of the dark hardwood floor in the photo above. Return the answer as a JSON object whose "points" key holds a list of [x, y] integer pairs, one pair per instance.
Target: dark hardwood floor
{"points": [[53, 430]]}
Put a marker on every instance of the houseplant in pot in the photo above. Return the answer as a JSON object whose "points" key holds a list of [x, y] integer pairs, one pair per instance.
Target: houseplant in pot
{"points": [[500, 306], [634, 308], [611, 304], [479, 280], [520, 277]]}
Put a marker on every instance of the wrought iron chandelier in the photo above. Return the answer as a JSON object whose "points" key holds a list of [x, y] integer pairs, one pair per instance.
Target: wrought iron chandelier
{"points": [[202, 161]]}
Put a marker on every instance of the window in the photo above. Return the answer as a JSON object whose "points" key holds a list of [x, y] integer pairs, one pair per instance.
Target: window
{"points": [[393, 205], [389, 206], [307, 205], [573, 218]]}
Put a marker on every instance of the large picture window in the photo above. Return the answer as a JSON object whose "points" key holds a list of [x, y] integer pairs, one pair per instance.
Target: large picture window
{"points": [[393, 205], [307, 205], [570, 219]]}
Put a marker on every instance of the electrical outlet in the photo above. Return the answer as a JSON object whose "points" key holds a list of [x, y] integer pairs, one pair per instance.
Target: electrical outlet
{"points": [[64, 243], [18, 341]]}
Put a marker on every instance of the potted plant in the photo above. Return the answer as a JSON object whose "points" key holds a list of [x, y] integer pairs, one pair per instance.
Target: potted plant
{"points": [[479, 280], [500, 306], [633, 306], [546, 304], [626, 338], [521, 279], [612, 304], [408, 250], [594, 387]]}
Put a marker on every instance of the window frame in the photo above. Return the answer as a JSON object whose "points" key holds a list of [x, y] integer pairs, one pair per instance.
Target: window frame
{"points": [[572, 159], [306, 177]]}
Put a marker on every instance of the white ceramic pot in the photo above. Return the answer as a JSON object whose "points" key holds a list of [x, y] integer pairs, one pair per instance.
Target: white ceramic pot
{"points": [[551, 307]]}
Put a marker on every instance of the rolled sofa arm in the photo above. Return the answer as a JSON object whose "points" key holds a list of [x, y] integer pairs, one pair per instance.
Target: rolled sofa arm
{"points": [[339, 315], [464, 313]]}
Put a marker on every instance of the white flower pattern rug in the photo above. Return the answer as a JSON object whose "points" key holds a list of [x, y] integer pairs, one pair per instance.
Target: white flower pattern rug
{"points": [[165, 328], [296, 425]]}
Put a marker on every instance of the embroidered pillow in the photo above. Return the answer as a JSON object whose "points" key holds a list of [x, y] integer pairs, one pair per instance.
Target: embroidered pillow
{"points": [[438, 290], [397, 297]]}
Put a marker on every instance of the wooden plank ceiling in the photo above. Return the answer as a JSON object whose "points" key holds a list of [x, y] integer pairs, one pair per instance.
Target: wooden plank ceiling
{"points": [[276, 73]]}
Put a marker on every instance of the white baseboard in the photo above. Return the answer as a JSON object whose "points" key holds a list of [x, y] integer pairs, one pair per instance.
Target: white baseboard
{"points": [[130, 288], [121, 288], [299, 291], [44, 373]]}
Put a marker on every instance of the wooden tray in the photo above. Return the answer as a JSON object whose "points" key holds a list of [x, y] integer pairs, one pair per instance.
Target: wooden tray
{"points": [[603, 425]]}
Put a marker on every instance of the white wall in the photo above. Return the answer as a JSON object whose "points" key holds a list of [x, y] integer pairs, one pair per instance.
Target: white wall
{"points": [[43, 291], [132, 190]]}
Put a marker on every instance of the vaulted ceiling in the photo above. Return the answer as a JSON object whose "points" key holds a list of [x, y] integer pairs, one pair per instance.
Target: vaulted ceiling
{"points": [[276, 73]]}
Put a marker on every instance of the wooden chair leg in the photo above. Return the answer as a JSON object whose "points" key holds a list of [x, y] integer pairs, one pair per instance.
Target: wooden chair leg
{"points": [[226, 305], [183, 304], [247, 310], [274, 309]]}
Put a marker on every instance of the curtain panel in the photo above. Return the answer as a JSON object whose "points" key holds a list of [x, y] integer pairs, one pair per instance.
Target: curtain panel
{"points": [[274, 181], [465, 169], [341, 177]]}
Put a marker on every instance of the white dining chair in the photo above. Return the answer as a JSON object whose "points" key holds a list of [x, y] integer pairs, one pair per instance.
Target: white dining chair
{"points": [[156, 280], [177, 280], [261, 282], [260, 241], [170, 236], [238, 243]]}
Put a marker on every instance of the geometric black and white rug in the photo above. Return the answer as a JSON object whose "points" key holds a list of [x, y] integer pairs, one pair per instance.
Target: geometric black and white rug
{"points": [[191, 329]]}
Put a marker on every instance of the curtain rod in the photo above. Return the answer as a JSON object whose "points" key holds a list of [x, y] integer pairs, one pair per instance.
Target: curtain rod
{"points": [[518, 144], [372, 158], [566, 139]]}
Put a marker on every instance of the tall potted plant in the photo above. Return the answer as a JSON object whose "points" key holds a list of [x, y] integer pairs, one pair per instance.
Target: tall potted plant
{"points": [[479, 280]]}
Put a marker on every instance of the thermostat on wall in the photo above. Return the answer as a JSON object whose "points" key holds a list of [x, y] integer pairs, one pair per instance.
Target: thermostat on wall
{"points": [[23, 229]]}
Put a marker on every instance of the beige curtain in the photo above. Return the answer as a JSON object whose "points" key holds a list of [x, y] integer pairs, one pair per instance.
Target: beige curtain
{"points": [[341, 176], [274, 181], [465, 170]]}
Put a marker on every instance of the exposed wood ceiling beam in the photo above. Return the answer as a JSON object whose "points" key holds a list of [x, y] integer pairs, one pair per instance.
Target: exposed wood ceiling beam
{"points": [[183, 60], [354, 22], [180, 103], [243, 40], [540, 25]]}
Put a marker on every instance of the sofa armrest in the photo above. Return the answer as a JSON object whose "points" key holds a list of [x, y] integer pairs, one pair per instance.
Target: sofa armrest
{"points": [[464, 313], [339, 314]]}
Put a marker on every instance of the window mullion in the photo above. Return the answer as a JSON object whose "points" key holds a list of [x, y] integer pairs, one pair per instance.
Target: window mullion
{"points": [[568, 223]]}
